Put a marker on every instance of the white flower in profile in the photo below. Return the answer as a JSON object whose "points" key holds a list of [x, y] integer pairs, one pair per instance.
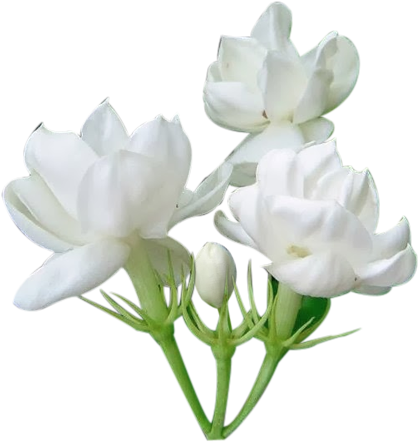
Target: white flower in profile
{"points": [[261, 85], [91, 198]]}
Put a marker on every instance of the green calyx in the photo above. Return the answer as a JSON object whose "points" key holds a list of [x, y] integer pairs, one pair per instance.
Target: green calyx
{"points": [[152, 315]]}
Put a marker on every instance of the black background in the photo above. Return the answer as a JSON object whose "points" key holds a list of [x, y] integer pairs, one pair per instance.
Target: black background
{"points": [[71, 367]]}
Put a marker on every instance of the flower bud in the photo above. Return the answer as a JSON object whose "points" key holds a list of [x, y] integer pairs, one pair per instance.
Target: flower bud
{"points": [[215, 274]]}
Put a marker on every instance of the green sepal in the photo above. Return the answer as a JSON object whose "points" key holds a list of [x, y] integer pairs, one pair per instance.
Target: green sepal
{"points": [[122, 311], [135, 325], [313, 342], [131, 304], [295, 337], [256, 329], [194, 328]]}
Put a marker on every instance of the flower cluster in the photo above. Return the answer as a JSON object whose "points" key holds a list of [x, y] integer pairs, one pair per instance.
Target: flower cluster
{"points": [[91, 198], [105, 200]]}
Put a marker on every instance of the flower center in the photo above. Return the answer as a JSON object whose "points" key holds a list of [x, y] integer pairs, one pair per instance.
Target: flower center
{"points": [[298, 252]]}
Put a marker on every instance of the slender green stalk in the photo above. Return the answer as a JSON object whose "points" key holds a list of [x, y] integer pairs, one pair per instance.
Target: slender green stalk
{"points": [[264, 377], [174, 358], [280, 329], [223, 366]]}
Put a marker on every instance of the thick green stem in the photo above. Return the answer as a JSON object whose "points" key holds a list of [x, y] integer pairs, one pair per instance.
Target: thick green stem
{"points": [[223, 365], [174, 358]]}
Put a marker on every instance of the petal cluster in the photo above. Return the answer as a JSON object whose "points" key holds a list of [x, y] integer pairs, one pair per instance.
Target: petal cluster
{"points": [[262, 81], [316, 220], [88, 197]]}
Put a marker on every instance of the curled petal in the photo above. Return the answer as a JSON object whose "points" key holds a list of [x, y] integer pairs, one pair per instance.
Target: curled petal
{"points": [[372, 290], [345, 66], [29, 225], [158, 251], [250, 211], [390, 272], [232, 230], [72, 274], [38, 202], [104, 131], [235, 106], [273, 29], [389, 243], [323, 275], [61, 159], [355, 191], [208, 195]]}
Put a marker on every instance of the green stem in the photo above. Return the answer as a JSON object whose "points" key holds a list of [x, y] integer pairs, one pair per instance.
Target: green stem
{"points": [[174, 358], [223, 365], [265, 374], [281, 328]]}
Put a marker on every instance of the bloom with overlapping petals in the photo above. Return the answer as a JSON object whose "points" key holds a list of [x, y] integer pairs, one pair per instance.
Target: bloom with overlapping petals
{"points": [[316, 220], [89, 198], [262, 85]]}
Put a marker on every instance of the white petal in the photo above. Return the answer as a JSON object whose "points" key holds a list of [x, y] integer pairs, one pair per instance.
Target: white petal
{"points": [[389, 243], [61, 159], [318, 161], [320, 55], [318, 130], [158, 251], [168, 145], [29, 226], [283, 82], [72, 274], [345, 66], [176, 118], [314, 100], [250, 211], [235, 106], [208, 195], [240, 59], [392, 271], [104, 131], [280, 173], [213, 73], [115, 193], [355, 191], [275, 136], [273, 29], [46, 211], [321, 275], [232, 230]]}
